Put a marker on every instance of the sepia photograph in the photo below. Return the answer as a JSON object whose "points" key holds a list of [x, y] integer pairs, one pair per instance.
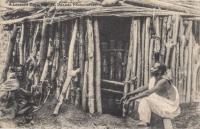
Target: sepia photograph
{"points": [[100, 64]]}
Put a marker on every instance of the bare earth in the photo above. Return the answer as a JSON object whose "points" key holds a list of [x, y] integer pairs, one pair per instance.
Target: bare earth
{"points": [[71, 117]]}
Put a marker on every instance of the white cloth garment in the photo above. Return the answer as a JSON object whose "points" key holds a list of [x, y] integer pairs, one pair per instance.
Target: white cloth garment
{"points": [[159, 105]]}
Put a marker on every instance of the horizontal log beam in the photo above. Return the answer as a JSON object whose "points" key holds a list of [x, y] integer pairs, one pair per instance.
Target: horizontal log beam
{"points": [[31, 17], [74, 12], [113, 82], [113, 91]]}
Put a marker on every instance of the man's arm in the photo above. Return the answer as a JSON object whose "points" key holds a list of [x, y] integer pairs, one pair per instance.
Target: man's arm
{"points": [[138, 90], [159, 86]]}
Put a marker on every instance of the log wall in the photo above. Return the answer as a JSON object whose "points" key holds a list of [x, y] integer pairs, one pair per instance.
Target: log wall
{"points": [[64, 49]]}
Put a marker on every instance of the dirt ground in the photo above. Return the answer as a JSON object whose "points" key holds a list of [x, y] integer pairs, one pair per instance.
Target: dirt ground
{"points": [[71, 117]]}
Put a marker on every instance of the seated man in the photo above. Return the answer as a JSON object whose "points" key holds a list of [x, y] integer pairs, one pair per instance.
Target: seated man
{"points": [[160, 97]]}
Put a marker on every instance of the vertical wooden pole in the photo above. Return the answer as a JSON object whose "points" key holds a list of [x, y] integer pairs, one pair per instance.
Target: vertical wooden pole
{"points": [[9, 52], [81, 51], [194, 81], [85, 87], [143, 50], [164, 38], [105, 72], [98, 67], [189, 79], [125, 60], [185, 72], [56, 62], [118, 68], [27, 37], [91, 97], [133, 40], [128, 68], [43, 47], [112, 60], [175, 35], [151, 57], [21, 45], [34, 46], [157, 31], [134, 51], [182, 46], [49, 54], [169, 40], [139, 55], [147, 38]]}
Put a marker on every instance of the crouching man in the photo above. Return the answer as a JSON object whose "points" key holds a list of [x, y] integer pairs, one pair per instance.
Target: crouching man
{"points": [[160, 97], [13, 99]]}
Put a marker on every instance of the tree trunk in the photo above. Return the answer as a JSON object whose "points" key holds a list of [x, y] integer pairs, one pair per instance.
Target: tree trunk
{"points": [[147, 38], [143, 51], [169, 40], [98, 67], [175, 35], [91, 97], [189, 82], [21, 45], [181, 69], [43, 47], [128, 70], [81, 51], [164, 38], [85, 87], [139, 56], [49, 53], [194, 81]]}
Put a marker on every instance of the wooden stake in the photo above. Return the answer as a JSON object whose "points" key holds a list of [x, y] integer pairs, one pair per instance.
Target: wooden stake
{"points": [[139, 56], [119, 67], [70, 72], [21, 45], [133, 40], [128, 70], [112, 60], [56, 62], [49, 54], [164, 37], [43, 47], [189, 79], [181, 69], [169, 44], [91, 97], [9, 52], [85, 87], [157, 31], [81, 51], [186, 72], [175, 35], [134, 51], [98, 67], [194, 81], [143, 51], [147, 38], [151, 61], [34, 47]]}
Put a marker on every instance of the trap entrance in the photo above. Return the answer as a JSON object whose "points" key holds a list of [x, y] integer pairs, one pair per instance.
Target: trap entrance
{"points": [[114, 38]]}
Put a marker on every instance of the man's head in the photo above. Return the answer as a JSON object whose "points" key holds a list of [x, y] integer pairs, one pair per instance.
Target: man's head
{"points": [[159, 68], [20, 72]]}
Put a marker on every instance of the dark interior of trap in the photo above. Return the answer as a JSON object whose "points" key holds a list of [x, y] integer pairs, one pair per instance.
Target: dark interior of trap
{"points": [[114, 43]]}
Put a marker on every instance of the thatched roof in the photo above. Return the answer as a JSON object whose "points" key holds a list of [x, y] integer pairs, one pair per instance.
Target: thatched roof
{"points": [[59, 10]]}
